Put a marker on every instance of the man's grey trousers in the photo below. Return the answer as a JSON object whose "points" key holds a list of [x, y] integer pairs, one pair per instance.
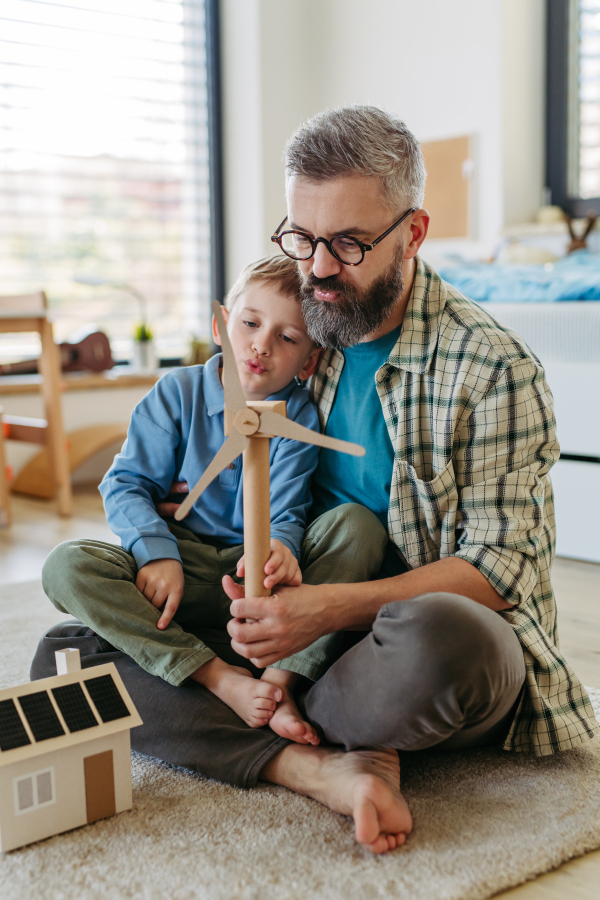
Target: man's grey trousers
{"points": [[436, 670]]}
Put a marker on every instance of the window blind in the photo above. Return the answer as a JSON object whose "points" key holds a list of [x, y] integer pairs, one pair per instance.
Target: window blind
{"points": [[587, 103], [104, 165]]}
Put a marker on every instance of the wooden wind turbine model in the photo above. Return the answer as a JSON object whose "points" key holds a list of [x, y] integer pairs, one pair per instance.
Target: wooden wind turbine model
{"points": [[248, 427]]}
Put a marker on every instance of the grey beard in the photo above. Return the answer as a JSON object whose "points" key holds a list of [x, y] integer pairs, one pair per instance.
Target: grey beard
{"points": [[346, 322]]}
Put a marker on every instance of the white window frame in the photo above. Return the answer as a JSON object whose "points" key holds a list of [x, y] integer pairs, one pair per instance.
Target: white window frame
{"points": [[33, 776]]}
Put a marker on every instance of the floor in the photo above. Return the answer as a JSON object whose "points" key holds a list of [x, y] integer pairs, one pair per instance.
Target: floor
{"points": [[36, 529]]}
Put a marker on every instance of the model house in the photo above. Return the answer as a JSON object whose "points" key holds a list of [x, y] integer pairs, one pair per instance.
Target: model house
{"points": [[64, 751]]}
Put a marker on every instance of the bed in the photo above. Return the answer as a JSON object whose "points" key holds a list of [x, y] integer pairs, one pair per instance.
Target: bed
{"points": [[556, 310]]}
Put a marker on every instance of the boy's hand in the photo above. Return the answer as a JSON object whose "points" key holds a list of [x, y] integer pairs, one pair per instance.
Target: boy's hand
{"points": [[161, 582], [281, 567], [166, 508]]}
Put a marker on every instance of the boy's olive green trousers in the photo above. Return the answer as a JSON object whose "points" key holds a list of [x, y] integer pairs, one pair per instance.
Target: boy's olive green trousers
{"points": [[95, 582], [435, 670]]}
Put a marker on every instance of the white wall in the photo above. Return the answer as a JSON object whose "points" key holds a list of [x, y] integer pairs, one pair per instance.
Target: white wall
{"points": [[419, 61], [465, 67], [523, 110], [242, 134], [270, 84]]}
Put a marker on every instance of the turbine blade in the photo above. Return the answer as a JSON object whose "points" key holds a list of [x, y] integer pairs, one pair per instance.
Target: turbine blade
{"points": [[232, 386], [273, 423], [231, 449]]}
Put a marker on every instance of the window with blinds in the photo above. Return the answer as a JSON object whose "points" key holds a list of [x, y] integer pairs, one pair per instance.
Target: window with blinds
{"points": [[586, 105], [104, 166]]}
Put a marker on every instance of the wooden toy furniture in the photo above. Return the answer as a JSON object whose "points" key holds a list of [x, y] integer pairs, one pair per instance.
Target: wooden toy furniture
{"points": [[4, 490], [248, 427], [96, 409], [28, 312], [65, 752], [36, 479]]}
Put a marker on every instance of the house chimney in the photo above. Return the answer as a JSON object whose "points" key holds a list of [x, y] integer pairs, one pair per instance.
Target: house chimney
{"points": [[67, 661]]}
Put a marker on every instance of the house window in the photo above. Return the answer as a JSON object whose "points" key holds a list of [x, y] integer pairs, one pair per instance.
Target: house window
{"points": [[104, 166], [33, 791], [573, 105]]}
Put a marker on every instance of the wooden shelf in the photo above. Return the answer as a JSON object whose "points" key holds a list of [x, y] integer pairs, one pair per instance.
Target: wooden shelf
{"points": [[81, 381]]}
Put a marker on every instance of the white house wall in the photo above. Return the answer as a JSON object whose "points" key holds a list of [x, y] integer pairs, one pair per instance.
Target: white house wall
{"points": [[69, 811]]}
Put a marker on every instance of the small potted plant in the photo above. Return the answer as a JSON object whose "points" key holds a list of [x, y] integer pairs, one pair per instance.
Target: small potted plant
{"points": [[144, 354]]}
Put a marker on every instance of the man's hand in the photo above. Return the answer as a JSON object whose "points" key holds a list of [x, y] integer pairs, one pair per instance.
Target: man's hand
{"points": [[281, 567], [161, 582], [294, 617], [285, 623], [167, 509]]}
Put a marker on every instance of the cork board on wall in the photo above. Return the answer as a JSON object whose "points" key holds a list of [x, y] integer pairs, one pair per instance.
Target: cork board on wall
{"points": [[449, 189]]}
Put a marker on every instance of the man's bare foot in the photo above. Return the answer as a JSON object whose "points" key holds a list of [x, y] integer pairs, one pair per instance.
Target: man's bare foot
{"points": [[253, 700], [288, 723], [364, 784]]}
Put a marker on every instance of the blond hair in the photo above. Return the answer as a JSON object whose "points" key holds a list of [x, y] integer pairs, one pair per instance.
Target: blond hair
{"points": [[360, 140], [280, 272]]}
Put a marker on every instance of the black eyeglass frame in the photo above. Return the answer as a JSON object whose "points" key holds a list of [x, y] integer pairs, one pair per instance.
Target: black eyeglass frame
{"points": [[277, 238]]}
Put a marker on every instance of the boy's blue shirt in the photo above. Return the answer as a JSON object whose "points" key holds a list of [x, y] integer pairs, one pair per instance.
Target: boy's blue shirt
{"points": [[174, 433]]}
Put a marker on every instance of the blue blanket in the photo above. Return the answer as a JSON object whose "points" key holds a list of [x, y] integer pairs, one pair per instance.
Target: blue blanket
{"points": [[575, 277]]}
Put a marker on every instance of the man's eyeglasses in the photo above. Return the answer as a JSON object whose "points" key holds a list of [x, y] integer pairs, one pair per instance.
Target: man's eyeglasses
{"points": [[346, 249]]}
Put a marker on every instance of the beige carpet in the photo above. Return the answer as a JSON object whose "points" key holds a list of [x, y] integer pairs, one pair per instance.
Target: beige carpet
{"points": [[484, 821]]}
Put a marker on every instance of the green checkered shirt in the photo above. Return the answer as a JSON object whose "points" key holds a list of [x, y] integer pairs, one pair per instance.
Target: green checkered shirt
{"points": [[470, 416]]}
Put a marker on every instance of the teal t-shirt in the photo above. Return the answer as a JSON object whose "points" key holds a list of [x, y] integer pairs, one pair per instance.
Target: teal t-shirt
{"points": [[357, 416]]}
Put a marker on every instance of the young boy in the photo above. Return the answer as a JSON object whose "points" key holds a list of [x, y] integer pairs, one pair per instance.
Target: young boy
{"points": [[175, 432]]}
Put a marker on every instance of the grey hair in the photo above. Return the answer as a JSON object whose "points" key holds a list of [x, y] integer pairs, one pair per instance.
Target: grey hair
{"points": [[360, 140]]}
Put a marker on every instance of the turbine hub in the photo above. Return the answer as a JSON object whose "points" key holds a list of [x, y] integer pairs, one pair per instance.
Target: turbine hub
{"points": [[246, 421]]}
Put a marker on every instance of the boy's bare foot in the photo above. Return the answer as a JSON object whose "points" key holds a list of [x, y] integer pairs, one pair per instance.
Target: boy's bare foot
{"points": [[364, 784], [287, 722], [253, 700]]}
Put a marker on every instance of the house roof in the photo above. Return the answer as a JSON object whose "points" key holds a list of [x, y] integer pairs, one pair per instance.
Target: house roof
{"points": [[63, 710]]}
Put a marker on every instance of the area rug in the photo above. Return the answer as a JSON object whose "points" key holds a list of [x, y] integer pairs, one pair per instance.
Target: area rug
{"points": [[484, 821]]}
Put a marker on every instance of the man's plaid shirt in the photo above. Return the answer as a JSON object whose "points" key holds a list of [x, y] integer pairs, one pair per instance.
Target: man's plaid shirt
{"points": [[470, 416]]}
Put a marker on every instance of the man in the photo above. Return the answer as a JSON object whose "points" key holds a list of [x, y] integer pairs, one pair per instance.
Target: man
{"points": [[453, 643]]}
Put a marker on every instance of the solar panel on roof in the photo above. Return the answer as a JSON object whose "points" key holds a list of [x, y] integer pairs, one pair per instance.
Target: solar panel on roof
{"points": [[40, 714], [107, 698], [74, 706], [12, 730]]}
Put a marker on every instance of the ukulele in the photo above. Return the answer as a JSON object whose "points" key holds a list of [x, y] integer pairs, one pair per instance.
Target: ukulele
{"points": [[92, 353]]}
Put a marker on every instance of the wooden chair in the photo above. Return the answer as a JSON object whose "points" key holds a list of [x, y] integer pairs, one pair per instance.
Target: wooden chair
{"points": [[28, 312]]}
